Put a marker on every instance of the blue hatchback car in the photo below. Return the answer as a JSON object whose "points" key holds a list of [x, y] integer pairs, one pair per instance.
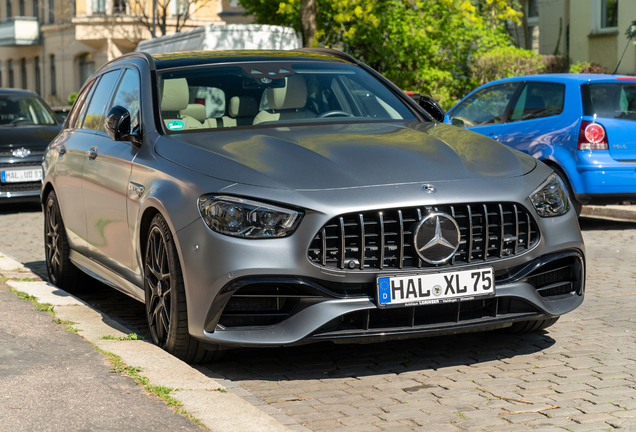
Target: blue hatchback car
{"points": [[582, 125]]}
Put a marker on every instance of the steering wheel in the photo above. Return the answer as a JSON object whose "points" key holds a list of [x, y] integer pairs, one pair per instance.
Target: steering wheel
{"points": [[334, 113], [19, 120]]}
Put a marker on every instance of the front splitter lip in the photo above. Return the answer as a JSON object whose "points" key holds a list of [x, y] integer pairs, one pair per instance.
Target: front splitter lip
{"points": [[300, 327]]}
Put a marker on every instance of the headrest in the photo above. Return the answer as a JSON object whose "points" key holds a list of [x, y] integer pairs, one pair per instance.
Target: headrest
{"points": [[293, 95], [175, 94], [243, 106], [196, 111]]}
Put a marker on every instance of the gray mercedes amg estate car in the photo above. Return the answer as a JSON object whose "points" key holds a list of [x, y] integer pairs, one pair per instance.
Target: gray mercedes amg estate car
{"points": [[273, 198]]}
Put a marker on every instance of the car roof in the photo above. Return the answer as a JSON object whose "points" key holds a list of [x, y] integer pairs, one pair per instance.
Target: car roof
{"points": [[199, 58], [567, 78], [10, 91]]}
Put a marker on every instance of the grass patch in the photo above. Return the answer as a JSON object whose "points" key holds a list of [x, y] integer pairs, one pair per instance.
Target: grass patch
{"points": [[118, 366], [44, 307], [462, 416], [69, 324], [131, 336]]}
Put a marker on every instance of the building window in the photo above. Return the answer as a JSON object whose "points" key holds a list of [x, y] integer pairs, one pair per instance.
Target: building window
{"points": [[119, 6], [532, 18], [23, 73], [10, 67], [38, 77], [1, 74], [52, 73], [609, 14], [22, 8], [36, 9], [9, 12], [51, 11], [86, 67], [99, 7]]}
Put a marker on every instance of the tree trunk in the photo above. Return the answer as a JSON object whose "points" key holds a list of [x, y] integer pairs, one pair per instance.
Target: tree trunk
{"points": [[308, 21]]}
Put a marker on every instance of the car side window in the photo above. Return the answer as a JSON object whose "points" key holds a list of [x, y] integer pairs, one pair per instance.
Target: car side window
{"points": [[96, 111], [127, 96], [74, 118], [538, 100], [485, 107]]}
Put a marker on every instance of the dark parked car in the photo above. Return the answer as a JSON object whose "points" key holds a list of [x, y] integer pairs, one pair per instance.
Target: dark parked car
{"points": [[268, 198], [27, 125], [581, 125]]}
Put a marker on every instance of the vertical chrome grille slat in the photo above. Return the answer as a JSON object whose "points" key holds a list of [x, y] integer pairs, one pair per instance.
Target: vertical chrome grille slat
{"points": [[323, 241], [381, 233], [400, 239], [469, 247], [502, 233], [486, 235], [419, 218], [362, 242], [516, 247], [341, 246], [383, 239]]}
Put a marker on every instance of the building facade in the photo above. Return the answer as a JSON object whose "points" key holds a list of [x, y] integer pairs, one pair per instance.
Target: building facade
{"points": [[53, 46], [584, 30]]}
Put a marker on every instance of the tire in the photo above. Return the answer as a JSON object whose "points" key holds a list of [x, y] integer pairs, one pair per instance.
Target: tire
{"points": [[576, 205], [522, 327], [60, 269], [166, 308]]}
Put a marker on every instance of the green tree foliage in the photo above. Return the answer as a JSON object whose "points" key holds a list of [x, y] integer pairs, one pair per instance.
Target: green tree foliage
{"points": [[502, 62], [421, 45]]}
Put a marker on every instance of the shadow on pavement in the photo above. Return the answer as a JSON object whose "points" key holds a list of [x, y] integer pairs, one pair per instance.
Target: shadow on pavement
{"points": [[597, 224], [11, 208]]}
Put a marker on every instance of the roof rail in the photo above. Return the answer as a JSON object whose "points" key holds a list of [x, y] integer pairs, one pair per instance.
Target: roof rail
{"points": [[329, 51]]}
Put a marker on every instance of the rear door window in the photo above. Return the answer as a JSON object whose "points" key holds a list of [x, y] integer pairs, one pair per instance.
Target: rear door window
{"points": [[485, 107], [538, 100], [609, 100]]}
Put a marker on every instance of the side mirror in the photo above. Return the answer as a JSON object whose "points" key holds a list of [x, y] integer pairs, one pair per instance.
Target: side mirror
{"points": [[431, 107], [117, 126]]}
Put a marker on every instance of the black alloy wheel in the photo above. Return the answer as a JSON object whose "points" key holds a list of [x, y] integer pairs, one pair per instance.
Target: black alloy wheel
{"points": [[166, 308], [60, 269]]}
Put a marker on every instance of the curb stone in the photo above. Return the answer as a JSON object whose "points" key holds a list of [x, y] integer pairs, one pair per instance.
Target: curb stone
{"points": [[217, 410]]}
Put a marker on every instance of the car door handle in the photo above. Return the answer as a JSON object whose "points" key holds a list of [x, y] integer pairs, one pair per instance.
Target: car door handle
{"points": [[91, 152], [61, 150]]}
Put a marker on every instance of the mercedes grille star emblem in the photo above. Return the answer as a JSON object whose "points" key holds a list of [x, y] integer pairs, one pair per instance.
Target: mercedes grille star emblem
{"points": [[436, 238], [429, 188], [21, 152]]}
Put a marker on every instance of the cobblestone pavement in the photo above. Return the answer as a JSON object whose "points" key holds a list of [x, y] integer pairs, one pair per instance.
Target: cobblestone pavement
{"points": [[578, 375]]}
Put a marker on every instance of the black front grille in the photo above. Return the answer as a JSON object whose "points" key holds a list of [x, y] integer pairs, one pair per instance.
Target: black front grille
{"points": [[377, 240], [562, 276], [31, 164], [21, 187], [262, 305], [423, 318]]}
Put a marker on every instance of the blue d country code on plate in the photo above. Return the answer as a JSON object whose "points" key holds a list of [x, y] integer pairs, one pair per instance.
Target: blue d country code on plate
{"points": [[436, 288]]}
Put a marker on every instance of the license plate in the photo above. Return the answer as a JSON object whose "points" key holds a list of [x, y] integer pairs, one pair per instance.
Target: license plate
{"points": [[25, 175], [447, 287]]}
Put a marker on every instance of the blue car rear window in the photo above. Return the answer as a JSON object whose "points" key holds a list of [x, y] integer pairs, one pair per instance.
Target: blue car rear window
{"points": [[609, 100]]}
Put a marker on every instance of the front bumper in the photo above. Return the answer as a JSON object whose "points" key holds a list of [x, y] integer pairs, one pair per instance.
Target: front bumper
{"points": [[299, 302], [22, 191]]}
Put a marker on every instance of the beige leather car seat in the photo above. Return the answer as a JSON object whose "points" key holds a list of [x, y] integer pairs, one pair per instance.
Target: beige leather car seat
{"points": [[174, 98], [242, 110], [287, 103]]}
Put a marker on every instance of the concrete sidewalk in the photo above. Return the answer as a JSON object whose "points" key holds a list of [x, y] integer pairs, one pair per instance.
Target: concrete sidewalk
{"points": [[613, 212], [51, 379]]}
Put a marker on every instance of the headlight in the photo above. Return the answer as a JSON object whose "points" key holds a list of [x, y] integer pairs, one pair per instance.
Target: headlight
{"points": [[240, 217], [550, 199]]}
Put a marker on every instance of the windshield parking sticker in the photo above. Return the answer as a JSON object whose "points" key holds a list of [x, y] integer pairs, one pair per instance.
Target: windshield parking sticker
{"points": [[176, 125]]}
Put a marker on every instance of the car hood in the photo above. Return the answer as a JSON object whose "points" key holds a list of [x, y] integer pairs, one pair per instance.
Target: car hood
{"points": [[35, 138], [335, 156]]}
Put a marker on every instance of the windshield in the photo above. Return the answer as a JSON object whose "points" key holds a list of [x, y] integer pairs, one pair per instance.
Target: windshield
{"points": [[256, 94], [610, 100], [21, 110]]}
